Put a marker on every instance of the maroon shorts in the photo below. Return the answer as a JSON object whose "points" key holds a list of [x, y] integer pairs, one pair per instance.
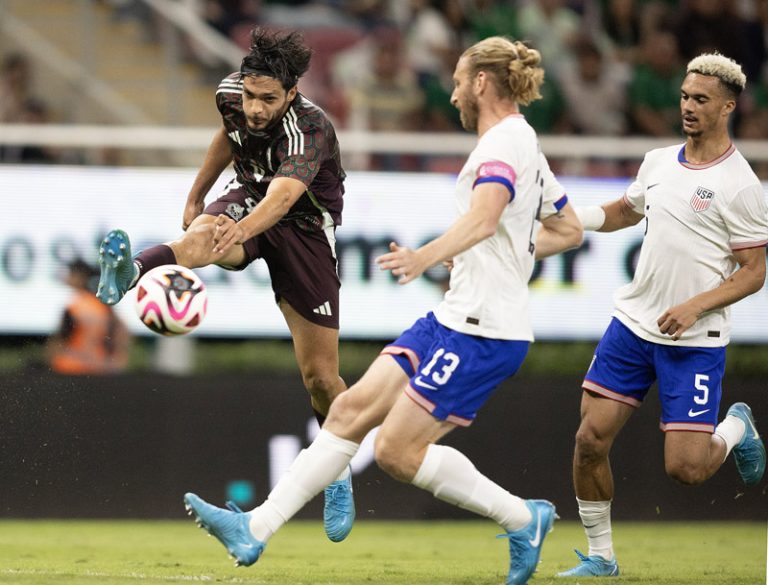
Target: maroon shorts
{"points": [[302, 263]]}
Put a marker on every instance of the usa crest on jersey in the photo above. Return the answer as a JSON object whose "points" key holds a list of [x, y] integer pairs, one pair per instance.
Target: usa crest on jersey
{"points": [[701, 199]]}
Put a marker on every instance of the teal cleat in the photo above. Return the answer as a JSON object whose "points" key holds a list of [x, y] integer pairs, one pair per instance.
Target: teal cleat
{"points": [[230, 527], [749, 453], [525, 544], [593, 566], [117, 269], [339, 510]]}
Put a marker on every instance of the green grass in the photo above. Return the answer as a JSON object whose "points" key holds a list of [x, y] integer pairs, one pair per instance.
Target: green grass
{"points": [[403, 553]]}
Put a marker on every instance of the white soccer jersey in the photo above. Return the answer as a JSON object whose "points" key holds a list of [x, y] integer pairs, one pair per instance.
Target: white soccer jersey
{"points": [[696, 216], [488, 293]]}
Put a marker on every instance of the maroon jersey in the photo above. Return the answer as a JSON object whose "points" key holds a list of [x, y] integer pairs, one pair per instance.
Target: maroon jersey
{"points": [[302, 146]]}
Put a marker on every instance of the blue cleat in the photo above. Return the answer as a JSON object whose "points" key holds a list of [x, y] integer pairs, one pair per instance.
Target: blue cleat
{"points": [[117, 269], [230, 527], [592, 566], [749, 453], [339, 510], [525, 544]]}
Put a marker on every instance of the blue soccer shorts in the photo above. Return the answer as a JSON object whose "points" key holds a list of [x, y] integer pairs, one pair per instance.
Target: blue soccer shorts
{"points": [[453, 374], [690, 378]]}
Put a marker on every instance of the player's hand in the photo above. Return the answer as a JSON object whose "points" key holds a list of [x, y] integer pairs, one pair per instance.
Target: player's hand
{"points": [[192, 210], [677, 320], [402, 261], [227, 233]]}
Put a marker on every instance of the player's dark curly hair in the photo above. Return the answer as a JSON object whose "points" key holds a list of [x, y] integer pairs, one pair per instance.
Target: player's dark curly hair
{"points": [[283, 56]]}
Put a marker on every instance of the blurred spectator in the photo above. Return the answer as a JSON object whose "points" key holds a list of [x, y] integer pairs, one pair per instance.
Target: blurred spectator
{"points": [[33, 111], [439, 113], [594, 92], [429, 38], [705, 26], [551, 27], [15, 87], [549, 114], [489, 18], [654, 92], [622, 24], [388, 98], [91, 339], [225, 15]]}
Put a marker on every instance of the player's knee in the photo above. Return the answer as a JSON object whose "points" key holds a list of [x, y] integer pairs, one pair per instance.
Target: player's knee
{"points": [[194, 247], [686, 473], [321, 384], [590, 447]]}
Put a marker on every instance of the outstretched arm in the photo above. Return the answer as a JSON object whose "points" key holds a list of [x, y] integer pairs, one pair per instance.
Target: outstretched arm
{"points": [[480, 222], [747, 280], [608, 217], [217, 159], [559, 232]]}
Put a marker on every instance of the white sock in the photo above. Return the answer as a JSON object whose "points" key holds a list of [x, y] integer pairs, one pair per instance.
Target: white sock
{"points": [[451, 477], [731, 431], [313, 469], [596, 518]]}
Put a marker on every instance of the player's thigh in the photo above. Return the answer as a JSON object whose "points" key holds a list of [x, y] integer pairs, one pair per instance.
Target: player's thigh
{"points": [[365, 405], [686, 449], [601, 420]]}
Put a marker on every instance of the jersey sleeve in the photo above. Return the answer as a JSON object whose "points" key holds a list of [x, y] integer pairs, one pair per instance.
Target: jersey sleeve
{"points": [[301, 151], [496, 171], [746, 218], [554, 197], [635, 193]]}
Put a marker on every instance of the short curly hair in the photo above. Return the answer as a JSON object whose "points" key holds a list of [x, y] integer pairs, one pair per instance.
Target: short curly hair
{"points": [[726, 70], [283, 56]]}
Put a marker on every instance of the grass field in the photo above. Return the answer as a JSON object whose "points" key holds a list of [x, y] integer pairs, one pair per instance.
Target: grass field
{"points": [[39, 552]]}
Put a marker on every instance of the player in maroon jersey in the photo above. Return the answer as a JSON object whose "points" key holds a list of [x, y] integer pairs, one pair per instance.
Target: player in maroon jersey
{"points": [[283, 206]]}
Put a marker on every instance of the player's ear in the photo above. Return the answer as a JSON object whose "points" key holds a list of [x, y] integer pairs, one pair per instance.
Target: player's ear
{"points": [[292, 93]]}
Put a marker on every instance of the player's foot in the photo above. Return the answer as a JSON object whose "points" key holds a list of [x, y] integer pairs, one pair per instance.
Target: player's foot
{"points": [[230, 527], [117, 269], [525, 544], [592, 566], [339, 511], [749, 453]]}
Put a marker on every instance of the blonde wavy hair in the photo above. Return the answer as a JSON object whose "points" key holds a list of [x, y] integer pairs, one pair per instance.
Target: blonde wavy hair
{"points": [[716, 65], [514, 67]]}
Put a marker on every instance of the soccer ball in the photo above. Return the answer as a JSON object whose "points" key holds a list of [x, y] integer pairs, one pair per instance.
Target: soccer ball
{"points": [[171, 300]]}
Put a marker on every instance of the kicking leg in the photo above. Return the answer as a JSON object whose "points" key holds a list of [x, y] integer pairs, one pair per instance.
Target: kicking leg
{"points": [[120, 271]]}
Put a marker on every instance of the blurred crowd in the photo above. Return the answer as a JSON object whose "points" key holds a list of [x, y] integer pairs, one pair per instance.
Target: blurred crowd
{"points": [[614, 67]]}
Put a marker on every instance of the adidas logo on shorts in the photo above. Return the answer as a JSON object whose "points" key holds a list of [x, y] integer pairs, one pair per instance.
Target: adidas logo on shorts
{"points": [[324, 309]]}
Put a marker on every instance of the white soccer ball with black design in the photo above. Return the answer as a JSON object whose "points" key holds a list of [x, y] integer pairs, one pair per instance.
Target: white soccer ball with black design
{"points": [[171, 300]]}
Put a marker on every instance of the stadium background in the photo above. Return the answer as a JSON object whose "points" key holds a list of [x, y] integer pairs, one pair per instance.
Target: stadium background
{"points": [[127, 89]]}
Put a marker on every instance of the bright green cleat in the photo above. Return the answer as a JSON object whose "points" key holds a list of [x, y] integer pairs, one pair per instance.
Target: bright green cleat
{"points": [[592, 566], [117, 269], [749, 453]]}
